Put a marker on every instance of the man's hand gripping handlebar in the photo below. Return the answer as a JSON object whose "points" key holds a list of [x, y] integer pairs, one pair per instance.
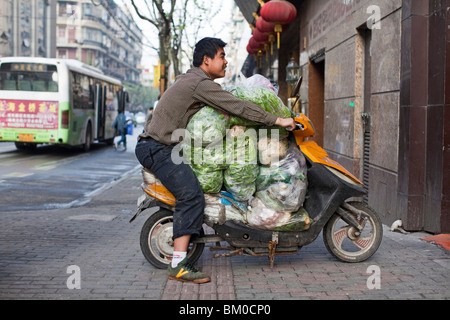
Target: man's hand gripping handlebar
{"points": [[287, 123]]}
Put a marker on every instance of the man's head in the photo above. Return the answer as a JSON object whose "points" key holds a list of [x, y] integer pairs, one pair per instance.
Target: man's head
{"points": [[210, 56]]}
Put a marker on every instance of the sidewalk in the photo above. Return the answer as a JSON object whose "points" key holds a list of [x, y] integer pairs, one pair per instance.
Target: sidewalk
{"points": [[37, 248]]}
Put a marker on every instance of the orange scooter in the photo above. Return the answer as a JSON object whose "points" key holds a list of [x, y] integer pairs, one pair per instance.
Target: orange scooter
{"points": [[352, 231]]}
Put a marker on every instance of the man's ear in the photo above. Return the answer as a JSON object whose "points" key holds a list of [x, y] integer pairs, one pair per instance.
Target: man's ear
{"points": [[206, 60]]}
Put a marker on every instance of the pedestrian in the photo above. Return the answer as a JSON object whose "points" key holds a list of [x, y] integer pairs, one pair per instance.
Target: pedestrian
{"points": [[120, 124], [189, 93]]}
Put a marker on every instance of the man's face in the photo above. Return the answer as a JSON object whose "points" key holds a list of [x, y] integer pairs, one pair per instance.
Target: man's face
{"points": [[216, 67]]}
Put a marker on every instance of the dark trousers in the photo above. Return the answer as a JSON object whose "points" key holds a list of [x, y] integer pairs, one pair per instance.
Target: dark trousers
{"points": [[123, 139], [180, 180]]}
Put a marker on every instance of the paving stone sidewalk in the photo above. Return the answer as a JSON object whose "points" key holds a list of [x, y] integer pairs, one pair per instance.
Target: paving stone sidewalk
{"points": [[38, 247]]}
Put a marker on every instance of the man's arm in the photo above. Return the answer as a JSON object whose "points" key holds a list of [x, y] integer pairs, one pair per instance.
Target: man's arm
{"points": [[213, 95]]}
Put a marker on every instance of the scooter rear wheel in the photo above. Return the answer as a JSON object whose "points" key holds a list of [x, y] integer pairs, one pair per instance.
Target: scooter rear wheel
{"points": [[346, 243], [157, 244]]}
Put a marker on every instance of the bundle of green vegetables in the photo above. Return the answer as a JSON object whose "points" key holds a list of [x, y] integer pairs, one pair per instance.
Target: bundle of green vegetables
{"points": [[243, 168], [203, 149], [207, 126], [263, 97], [251, 161]]}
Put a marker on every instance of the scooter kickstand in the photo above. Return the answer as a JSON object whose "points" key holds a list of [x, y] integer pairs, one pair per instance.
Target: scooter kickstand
{"points": [[273, 248]]}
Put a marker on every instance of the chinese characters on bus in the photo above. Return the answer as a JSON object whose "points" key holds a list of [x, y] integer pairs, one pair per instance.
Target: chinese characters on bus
{"points": [[29, 114]]}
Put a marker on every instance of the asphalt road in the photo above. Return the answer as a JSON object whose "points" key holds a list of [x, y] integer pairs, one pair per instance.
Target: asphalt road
{"points": [[52, 177]]}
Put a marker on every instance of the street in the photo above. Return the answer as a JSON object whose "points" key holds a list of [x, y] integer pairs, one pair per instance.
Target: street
{"points": [[65, 235], [56, 177]]}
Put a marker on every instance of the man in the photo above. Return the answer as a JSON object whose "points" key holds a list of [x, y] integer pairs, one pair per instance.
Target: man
{"points": [[120, 123], [191, 92]]}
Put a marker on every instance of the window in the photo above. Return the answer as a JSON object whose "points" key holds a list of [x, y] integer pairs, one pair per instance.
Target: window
{"points": [[81, 91], [28, 77]]}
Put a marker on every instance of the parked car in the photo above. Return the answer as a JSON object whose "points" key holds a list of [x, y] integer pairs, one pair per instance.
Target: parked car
{"points": [[140, 118]]}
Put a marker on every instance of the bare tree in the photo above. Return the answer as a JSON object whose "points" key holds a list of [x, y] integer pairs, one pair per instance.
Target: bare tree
{"points": [[170, 18], [163, 21]]}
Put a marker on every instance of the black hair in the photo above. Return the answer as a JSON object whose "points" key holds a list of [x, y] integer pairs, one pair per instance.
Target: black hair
{"points": [[206, 47]]}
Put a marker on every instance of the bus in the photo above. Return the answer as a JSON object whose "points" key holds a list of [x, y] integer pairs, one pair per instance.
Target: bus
{"points": [[57, 101]]}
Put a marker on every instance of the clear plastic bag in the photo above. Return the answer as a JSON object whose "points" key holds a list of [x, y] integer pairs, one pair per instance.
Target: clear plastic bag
{"points": [[271, 150], [207, 126], [223, 207], [243, 169], [262, 96], [204, 151], [283, 185], [261, 217], [258, 80]]}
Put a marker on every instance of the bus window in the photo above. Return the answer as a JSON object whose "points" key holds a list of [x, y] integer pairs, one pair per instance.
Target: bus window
{"points": [[39, 85], [53, 86], [81, 91], [28, 77], [24, 85]]}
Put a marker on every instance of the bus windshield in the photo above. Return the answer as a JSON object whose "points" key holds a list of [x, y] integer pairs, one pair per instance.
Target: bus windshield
{"points": [[28, 77]]}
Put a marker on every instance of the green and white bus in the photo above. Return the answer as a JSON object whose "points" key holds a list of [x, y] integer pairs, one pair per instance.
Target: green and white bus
{"points": [[57, 101]]}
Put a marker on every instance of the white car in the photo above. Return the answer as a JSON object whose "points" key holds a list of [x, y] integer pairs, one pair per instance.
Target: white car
{"points": [[140, 118]]}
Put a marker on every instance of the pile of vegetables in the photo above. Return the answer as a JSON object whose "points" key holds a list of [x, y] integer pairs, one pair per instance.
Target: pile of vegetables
{"points": [[253, 163]]}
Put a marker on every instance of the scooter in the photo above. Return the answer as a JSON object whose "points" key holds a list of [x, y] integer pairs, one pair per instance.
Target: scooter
{"points": [[352, 231]]}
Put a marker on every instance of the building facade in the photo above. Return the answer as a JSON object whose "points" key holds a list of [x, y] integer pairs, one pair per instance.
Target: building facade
{"points": [[376, 84], [28, 28], [100, 34]]}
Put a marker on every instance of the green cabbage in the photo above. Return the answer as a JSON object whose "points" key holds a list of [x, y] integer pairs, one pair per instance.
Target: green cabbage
{"points": [[208, 125], [264, 97], [208, 165], [243, 169], [210, 179]]}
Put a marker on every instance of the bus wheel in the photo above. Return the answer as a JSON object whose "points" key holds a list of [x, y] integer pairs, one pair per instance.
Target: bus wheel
{"points": [[88, 140]]}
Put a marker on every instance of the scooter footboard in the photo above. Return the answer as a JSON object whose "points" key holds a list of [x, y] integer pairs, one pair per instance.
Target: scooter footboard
{"points": [[240, 235]]}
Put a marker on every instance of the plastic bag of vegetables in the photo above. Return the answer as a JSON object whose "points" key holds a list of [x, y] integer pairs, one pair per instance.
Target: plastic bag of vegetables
{"points": [[207, 126], [260, 216], [264, 97], [283, 185], [271, 150], [223, 207], [299, 221], [208, 164], [204, 151], [210, 179], [243, 169]]}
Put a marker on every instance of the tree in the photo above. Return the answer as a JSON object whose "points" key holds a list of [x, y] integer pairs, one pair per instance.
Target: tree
{"points": [[170, 18], [141, 97], [160, 13]]}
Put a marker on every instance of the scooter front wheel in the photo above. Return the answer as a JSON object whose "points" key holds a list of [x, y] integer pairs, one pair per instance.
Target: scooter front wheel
{"points": [[347, 243], [157, 244]]}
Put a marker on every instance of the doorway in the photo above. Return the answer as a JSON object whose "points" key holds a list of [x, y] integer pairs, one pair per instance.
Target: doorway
{"points": [[316, 95]]}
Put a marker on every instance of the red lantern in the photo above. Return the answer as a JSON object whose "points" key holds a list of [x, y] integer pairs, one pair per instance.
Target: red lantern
{"points": [[267, 28], [255, 45], [260, 36], [255, 48], [251, 51], [279, 12]]}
